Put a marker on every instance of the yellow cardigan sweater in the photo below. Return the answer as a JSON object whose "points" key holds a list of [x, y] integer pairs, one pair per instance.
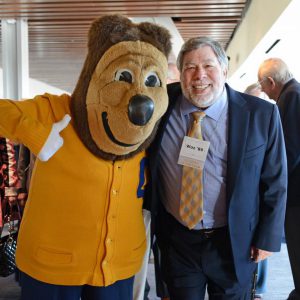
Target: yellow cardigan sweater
{"points": [[83, 220]]}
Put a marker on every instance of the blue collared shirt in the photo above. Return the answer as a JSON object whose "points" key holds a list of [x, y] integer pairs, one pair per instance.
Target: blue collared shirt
{"points": [[214, 130]]}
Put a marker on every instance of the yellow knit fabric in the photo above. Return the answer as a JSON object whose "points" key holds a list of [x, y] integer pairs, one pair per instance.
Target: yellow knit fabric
{"points": [[83, 221]]}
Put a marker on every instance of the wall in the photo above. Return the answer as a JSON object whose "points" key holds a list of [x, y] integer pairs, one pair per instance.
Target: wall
{"points": [[258, 19]]}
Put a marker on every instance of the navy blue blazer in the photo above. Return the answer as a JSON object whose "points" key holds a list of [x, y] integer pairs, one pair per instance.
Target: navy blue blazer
{"points": [[256, 176], [289, 109]]}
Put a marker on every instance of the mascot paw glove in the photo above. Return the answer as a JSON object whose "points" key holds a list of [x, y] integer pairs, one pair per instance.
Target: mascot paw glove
{"points": [[54, 140]]}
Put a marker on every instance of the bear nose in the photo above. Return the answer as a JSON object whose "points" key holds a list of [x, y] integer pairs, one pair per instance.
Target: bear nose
{"points": [[140, 110]]}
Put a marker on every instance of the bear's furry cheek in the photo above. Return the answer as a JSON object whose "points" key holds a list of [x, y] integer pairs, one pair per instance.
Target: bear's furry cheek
{"points": [[115, 94], [95, 123]]}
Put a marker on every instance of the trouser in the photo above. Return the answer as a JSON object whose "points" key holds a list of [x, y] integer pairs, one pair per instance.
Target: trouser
{"points": [[161, 287], [193, 260], [292, 224], [261, 284], [33, 289]]}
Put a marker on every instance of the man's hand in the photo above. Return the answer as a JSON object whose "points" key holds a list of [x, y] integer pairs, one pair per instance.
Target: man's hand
{"points": [[258, 254]]}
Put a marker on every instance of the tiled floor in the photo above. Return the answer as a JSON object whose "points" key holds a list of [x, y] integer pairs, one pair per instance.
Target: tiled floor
{"points": [[279, 284], [9, 290]]}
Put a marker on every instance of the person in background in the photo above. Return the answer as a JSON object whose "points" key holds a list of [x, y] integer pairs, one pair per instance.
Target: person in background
{"points": [[278, 83], [9, 181], [24, 167], [173, 73], [10, 207], [262, 267], [255, 90], [217, 245]]}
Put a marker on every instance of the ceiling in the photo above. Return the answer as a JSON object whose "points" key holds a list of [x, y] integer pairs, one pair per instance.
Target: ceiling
{"points": [[58, 29]]}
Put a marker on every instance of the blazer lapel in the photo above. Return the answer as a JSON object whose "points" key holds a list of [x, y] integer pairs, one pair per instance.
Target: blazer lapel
{"points": [[237, 136]]}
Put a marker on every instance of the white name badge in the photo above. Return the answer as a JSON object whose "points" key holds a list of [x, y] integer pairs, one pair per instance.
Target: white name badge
{"points": [[193, 152]]}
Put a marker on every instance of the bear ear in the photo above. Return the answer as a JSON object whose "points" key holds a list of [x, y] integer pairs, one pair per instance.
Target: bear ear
{"points": [[112, 29], [157, 36], [106, 29]]}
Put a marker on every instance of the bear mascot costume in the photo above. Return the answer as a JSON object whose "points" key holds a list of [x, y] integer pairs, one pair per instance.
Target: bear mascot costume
{"points": [[83, 224]]}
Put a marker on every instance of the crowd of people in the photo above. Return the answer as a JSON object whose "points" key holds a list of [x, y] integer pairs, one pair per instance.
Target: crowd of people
{"points": [[220, 200]]}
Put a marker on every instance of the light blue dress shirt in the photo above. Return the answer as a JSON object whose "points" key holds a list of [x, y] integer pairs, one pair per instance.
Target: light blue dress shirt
{"points": [[215, 130]]}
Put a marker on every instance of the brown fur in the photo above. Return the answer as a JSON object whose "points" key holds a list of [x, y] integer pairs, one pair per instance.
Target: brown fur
{"points": [[104, 33]]}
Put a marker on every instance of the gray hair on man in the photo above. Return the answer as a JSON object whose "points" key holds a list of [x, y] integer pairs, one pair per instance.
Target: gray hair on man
{"points": [[252, 88], [275, 68], [198, 42]]}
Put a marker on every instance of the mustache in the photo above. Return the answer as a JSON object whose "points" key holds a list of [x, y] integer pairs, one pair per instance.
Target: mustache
{"points": [[197, 83]]}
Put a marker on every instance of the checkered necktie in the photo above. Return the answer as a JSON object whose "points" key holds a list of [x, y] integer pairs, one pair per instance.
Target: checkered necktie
{"points": [[191, 200]]}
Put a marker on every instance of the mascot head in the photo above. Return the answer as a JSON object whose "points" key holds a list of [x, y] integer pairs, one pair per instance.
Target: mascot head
{"points": [[121, 92]]}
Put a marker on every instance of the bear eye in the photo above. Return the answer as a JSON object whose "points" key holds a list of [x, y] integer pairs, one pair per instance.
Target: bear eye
{"points": [[152, 80], [124, 75]]}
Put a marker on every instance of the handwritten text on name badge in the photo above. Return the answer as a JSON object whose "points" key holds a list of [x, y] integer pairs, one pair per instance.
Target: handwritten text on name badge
{"points": [[193, 152]]}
